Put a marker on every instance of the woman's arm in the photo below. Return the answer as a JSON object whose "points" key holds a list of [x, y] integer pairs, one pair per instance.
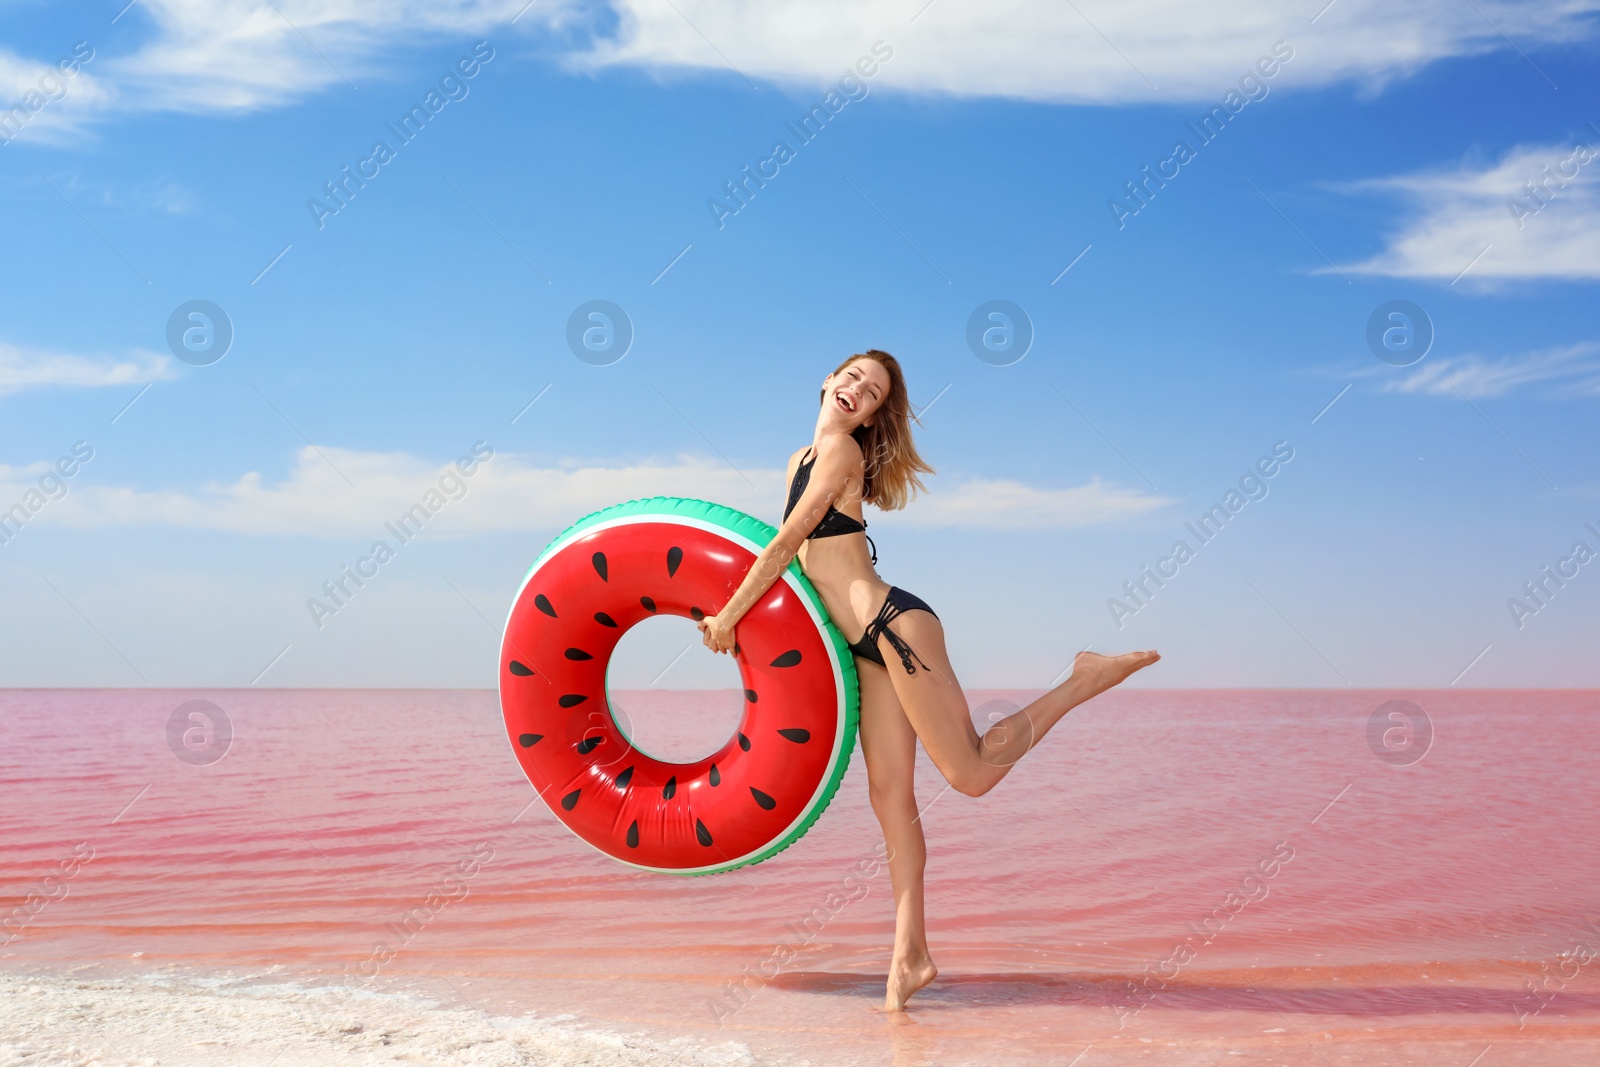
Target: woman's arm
{"points": [[838, 461]]}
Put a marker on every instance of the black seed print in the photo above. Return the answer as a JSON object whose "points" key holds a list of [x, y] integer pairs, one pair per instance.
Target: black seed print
{"points": [[605, 620], [716, 775], [624, 778], [570, 801], [578, 654], [750, 695], [521, 670], [674, 557], [670, 788], [588, 744], [599, 561], [798, 736], [649, 605], [744, 742], [542, 602], [572, 700], [702, 834], [529, 740], [765, 801], [633, 834], [696, 614], [788, 659]]}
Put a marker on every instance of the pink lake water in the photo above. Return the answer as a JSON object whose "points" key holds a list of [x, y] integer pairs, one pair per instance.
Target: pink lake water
{"points": [[1426, 913]]}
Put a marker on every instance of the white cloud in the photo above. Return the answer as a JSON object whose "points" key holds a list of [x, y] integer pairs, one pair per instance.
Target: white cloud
{"points": [[1575, 369], [1090, 52], [68, 103], [244, 56], [35, 368], [1007, 505], [1482, 220], [234, 55], [513, 492]]}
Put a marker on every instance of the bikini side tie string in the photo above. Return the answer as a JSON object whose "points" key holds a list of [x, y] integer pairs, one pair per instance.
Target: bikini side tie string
{"points": [[880, 625]]}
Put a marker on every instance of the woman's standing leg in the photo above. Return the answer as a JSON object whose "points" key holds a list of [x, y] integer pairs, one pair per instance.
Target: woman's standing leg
{"points": [[889, 746]]}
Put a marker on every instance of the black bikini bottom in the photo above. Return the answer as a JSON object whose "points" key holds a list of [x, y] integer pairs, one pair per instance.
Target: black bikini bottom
{"points": [[894, 604]]}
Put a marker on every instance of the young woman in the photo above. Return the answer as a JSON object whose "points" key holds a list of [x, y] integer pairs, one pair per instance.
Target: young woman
{"points": [[862, 451]]}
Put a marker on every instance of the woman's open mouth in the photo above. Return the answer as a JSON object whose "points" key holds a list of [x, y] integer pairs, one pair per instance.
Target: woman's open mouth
{"points": [[845, 402]]}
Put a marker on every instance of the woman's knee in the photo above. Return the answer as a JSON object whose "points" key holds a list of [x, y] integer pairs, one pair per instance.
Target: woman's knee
{"points": [[890, 798], [972, 781], [888, 794]]}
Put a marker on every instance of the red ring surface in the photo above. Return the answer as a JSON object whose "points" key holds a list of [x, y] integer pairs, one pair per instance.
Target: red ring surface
{"points": [[580, 752]]}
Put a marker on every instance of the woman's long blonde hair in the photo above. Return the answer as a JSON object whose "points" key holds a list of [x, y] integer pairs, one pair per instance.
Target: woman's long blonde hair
{"points": [[891, 456]]}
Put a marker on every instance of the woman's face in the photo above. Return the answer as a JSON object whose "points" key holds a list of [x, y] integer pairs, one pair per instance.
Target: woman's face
{"points": [[855, 393]]}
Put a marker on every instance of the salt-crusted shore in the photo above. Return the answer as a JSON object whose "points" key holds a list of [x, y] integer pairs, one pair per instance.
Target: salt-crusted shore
{"points": [[56, 1022]]}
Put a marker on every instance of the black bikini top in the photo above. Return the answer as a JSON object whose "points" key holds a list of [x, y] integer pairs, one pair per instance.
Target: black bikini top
{"points": [[835, 523]]}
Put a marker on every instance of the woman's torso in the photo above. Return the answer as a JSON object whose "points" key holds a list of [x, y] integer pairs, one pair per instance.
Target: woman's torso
{"points": [[840, 567]]}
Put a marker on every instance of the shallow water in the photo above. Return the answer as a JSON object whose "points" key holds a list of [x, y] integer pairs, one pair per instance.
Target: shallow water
{"points": [[1084, 904]]}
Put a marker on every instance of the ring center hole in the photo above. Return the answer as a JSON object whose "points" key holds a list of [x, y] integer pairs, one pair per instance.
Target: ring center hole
{"points": [[675, 699]]}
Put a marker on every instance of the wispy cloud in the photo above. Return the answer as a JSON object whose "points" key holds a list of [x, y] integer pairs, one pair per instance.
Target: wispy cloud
{"points": [[70, 103], [1479, 223], [517, 493], [1574, 370], [34, 368], [1008, 505], [237, 56], [206, 56], [151, 196]]}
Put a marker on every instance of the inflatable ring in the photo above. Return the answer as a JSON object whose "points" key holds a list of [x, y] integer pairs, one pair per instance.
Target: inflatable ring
{"points": [[753, 797]]}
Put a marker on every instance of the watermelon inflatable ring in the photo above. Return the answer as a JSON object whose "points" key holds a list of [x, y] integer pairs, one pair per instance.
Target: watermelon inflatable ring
{"points": [[753, 797]]}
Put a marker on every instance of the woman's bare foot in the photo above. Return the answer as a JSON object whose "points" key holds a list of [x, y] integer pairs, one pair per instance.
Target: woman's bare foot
{"points": [[905, 978], [1094, 673]]}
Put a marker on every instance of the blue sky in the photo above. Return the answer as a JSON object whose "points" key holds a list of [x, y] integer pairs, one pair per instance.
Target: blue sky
{"points": [[978, 162]]}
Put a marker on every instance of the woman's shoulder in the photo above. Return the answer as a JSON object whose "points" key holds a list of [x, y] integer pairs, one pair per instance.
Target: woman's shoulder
{"points": [[841, 446]]}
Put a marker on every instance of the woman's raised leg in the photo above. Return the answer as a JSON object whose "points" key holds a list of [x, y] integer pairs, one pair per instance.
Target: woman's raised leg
{"points": [[889, 746], [937, 708]]}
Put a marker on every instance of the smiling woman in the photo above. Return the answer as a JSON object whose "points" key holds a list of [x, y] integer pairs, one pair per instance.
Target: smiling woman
{"points": [[862, 452]]}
